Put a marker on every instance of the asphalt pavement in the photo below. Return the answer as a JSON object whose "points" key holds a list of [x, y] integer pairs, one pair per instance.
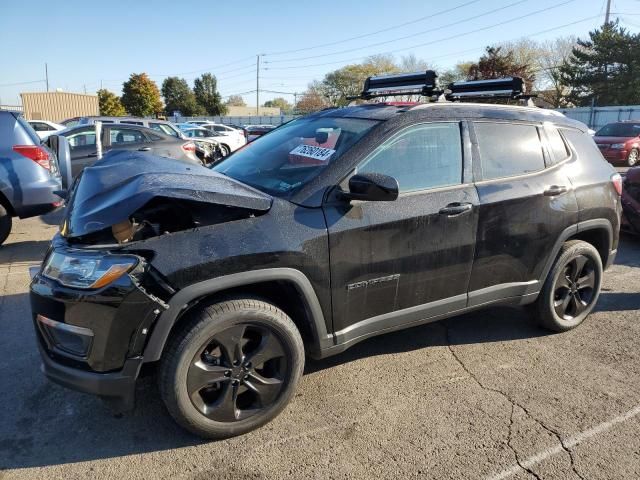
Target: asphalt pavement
{"points": [[488, 395]]}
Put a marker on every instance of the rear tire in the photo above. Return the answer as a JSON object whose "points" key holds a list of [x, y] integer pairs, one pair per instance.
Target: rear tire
{"points": [[5, 223], [572, 287], [233, 367]]}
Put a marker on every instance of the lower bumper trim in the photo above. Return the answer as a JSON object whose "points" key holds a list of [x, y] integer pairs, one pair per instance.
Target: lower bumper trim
{"points": [[119, 386]]}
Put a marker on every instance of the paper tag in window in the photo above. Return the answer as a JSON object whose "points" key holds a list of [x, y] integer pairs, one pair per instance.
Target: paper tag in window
{"points": [[317, 153]]}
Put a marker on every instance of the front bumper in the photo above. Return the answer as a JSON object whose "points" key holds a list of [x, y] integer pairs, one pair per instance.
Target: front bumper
{"points": [[116, 386], [93, 341]]}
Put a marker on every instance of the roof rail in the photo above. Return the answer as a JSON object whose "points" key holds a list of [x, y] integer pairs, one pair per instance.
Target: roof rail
{"points": [[425, 83]]}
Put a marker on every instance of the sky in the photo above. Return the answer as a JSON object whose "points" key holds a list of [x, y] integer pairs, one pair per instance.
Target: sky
{"points": [[89, 44]]}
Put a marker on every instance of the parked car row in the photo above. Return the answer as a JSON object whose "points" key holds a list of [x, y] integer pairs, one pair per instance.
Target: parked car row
{"points": [[619, 142]]}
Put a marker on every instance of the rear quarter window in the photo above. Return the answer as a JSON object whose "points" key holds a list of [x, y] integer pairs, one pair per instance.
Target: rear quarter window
{"points": [[582, 143], [508, 149], [558, 149]]}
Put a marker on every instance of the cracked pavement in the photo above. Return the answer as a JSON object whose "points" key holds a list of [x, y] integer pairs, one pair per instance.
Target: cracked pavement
{"points": [[487, 395]]}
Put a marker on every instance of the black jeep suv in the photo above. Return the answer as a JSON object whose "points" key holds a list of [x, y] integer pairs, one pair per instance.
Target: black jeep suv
{"points": [[333, 228]]}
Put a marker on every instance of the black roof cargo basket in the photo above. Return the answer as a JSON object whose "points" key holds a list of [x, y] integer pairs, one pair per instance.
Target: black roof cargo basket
{"points": [[426, 84]]}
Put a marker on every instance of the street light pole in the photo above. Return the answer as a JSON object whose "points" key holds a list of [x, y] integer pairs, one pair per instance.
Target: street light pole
{"points": [[608, 13]]}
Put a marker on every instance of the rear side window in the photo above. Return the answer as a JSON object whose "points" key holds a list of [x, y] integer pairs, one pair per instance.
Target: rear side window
{"points": [[420, 157], [125, 135], [508, 149], [582, 143], [559, 151]]}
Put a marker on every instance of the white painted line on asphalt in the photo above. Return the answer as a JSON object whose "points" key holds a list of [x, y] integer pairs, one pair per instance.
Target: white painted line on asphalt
{"points": [[569, 442]]}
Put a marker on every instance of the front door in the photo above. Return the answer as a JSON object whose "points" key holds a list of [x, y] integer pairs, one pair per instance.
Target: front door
{"points": [[394, 263]]}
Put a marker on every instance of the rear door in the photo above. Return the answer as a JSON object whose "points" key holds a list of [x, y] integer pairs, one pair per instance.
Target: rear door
{"points": [[393, 263], [526, 202], [82, 146], [123, 137]]}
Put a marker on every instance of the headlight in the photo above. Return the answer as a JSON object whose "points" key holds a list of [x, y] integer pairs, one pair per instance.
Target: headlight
{"points": [[617, 146], [87, 270]]}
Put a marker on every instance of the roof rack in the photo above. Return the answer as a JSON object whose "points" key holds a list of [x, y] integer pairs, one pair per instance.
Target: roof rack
{"points": [[425, 83]]}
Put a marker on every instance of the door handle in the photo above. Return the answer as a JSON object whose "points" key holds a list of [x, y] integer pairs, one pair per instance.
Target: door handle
{"points": [[456, 208], [554, 190], [144, 149]]}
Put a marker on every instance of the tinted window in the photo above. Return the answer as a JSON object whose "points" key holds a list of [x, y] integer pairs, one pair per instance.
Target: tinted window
{"points": [[130, 122], [582, 143], [508, 149], [557, 146], [125, 135], [420, 157], [619, 130], [162, 128], [40, 127], [82, 138]]}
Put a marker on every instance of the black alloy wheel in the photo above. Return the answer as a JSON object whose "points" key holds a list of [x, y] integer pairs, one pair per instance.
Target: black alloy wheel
{"points": [[231, 367], [575, 287], [240, 371], [571, 288]]}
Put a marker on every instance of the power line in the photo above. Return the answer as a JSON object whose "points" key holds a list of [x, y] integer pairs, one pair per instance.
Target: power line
{"points": [[431, 42], [282, 52], [458, 22], [202, 70], [22, 83]]}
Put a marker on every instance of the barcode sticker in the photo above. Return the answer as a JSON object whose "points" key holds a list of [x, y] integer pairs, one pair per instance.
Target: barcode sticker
{"points": [[309, 151]]}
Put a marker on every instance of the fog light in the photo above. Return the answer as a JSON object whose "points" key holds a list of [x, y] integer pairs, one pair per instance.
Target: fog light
{"points": [[68, 338]]}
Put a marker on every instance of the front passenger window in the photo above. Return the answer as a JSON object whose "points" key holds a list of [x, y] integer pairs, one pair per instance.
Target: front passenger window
{"points": [[420, 157]]}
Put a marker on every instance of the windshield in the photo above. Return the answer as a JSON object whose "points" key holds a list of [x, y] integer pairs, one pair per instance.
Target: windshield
{"points": [[619, 130], [289, 157]]}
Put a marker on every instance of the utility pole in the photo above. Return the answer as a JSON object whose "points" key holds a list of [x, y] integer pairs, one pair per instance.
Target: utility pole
{"points": [[85, 88], [46, 75], [257, 85], [607, 14]]}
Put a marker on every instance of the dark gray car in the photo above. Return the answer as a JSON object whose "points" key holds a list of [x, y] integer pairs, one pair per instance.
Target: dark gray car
{"points": [[29, 173], [82, 142]]}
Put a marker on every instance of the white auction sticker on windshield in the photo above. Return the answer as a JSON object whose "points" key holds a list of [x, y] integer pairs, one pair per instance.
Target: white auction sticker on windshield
{"points": [[310, 151]]}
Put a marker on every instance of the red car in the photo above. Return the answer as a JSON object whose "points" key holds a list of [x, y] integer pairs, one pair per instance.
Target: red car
{"points": [[619, 142]]}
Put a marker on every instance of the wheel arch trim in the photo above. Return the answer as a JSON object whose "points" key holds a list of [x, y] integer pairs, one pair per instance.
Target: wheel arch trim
{"points": [[185, 297], [586, 225]]}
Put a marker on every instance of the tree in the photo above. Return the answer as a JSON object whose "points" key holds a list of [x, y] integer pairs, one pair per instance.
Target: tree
{"points": [[348, 81], [206, 93], [410, 63], [550, 85], [496, 63], [605, 68], [235, 101], [178, 96], [110, 104], [456, 74], [312, 100], [140, 96], [279, 102]]}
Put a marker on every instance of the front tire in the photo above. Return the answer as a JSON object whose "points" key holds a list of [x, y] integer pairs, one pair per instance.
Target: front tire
{"points": [[232, 368], [633, 157], [572, 287], [5, 223]]}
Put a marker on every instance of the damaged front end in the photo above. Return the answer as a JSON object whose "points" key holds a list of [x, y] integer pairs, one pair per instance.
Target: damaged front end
{"points": [[130, 197], [94, 304]]}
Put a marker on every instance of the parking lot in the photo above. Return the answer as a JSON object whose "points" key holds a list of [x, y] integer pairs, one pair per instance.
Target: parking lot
{"points": [[486, 395]]}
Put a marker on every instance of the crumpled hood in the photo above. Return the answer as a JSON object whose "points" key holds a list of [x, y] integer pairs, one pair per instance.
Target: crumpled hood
{"points": [[122, 182]]}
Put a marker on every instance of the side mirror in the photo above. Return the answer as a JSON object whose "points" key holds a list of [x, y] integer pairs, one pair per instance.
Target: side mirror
{"points": [[373, 187]]}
